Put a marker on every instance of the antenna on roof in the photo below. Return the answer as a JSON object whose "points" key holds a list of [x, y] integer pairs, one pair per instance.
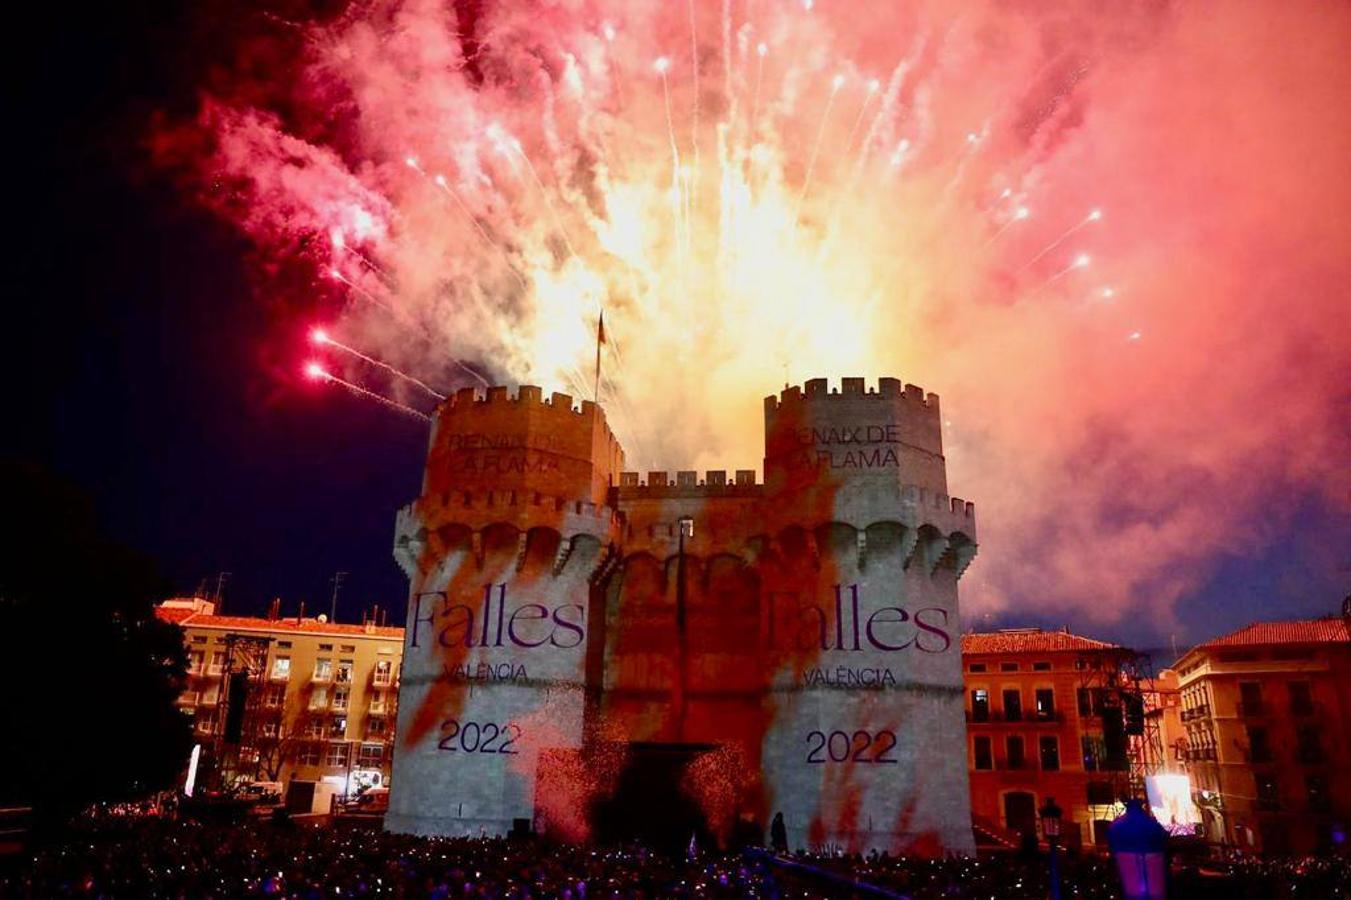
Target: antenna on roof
{"points": [[219, 596], [333, 603]]}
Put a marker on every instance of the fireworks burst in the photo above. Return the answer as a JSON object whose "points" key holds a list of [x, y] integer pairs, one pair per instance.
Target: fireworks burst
{"points": [[752, 191]]}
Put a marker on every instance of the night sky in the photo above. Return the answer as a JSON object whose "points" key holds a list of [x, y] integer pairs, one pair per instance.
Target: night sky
{"points": [[142, 367]]}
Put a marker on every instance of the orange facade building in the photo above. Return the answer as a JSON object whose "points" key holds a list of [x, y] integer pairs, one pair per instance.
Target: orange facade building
{"points": [[319, 699], [1049, 716], [1267, 714]]}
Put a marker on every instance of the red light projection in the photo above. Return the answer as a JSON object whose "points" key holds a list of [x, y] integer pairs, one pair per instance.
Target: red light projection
{"points": [[572, 653]]}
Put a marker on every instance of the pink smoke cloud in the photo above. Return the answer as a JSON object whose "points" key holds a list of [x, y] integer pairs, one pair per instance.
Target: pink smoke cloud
{"points": [[1121, 424]]}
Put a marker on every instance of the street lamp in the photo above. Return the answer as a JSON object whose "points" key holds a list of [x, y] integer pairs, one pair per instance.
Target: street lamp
{"points": [[1139, 844], [1050, 828]]}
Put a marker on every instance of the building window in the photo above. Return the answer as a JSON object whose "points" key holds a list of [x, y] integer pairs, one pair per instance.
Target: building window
{"points": [[347, 648], [1045, 703], [372, 756], [976, 667], [344, 672], [337, 755], [1050, 753], [217, 662], [1017, 758], [311, 754], [206, 723], [319, 698], [377, 727], [269, 728], [199, 639], [378, 703], [384, 673], [984, 758], [314, 727], [338, 727], [323, 647], [284, 645], [1008, 667], [323, 670], [281, 668], [1268, 791], [1013, 705], [1041, 667], [1099, 793], [1309, 748], [1316, 788], [980, 705], [1259, 745], [1089, 745], [1301, 698], [275, 696], [195, 662], [1249, 698], [340, 696], [1085, 697]]}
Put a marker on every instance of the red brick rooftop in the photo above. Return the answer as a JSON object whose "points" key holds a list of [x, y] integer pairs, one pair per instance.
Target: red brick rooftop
{"points": [[187, 618], [1306, 631], [1030, 640]]}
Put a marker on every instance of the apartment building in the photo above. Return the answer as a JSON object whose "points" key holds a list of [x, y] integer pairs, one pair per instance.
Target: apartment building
{"points": [[319, 697], [1267, 715], [1048, 716]]}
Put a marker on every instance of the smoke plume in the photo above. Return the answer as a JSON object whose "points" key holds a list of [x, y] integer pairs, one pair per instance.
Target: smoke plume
{"points": [[1113, 238]]}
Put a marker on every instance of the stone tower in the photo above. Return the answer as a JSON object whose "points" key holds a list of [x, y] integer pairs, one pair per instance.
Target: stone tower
{"points": [[797, 653], [500, 551]]}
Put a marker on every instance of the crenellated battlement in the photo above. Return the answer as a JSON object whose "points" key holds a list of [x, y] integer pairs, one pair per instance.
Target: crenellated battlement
{"points": [[687, 483], [818, 389], [468, 398], [499, 440]]}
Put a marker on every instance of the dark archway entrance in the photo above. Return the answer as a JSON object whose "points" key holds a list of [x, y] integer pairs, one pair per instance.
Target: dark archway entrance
{"points": [[1020, 812], [648, 804]]}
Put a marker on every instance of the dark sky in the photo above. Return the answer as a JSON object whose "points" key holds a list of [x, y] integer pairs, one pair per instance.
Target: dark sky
{"points": [[141, 365]]}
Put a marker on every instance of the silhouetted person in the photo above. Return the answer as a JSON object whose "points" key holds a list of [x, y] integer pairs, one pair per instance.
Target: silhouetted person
{"points": [[778, 834]]}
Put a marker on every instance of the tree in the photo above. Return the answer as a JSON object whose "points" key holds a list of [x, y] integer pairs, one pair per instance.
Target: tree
{"points": [[91, 675]]}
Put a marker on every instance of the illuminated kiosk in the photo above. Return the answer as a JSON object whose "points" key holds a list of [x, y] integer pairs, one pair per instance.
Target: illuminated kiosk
{"points": [[576, 662]]}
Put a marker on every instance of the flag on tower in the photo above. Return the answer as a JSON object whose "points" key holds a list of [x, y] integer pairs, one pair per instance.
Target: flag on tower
{"points": [[600, 339]]}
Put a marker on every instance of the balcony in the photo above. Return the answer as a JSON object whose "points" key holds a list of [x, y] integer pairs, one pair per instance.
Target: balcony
{"points": [[321, 677], [187, 698], [1200, 711], [209, 700], [282, 675], [378, 708], [382, 679], [318, 702], [999, 718]]}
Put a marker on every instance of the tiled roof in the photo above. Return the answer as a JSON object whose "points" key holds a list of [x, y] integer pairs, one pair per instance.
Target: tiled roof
{"points": [[189, 619], [1030, 640], [1307, 631]]}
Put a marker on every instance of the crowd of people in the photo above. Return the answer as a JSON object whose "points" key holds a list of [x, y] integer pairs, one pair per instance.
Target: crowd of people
{"points": [[157, 856]]}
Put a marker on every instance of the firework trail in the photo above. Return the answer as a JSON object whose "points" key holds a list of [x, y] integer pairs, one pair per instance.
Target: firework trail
{"points": [[319, 373], [561, 135], [1094, 216], [324, 339]]}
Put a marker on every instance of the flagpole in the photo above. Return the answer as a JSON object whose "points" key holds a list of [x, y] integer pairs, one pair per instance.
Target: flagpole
{"points": [[600, 339]]}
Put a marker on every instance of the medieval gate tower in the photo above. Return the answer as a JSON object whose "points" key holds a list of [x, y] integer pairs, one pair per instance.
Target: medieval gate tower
{"points": [[793, 646]]}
